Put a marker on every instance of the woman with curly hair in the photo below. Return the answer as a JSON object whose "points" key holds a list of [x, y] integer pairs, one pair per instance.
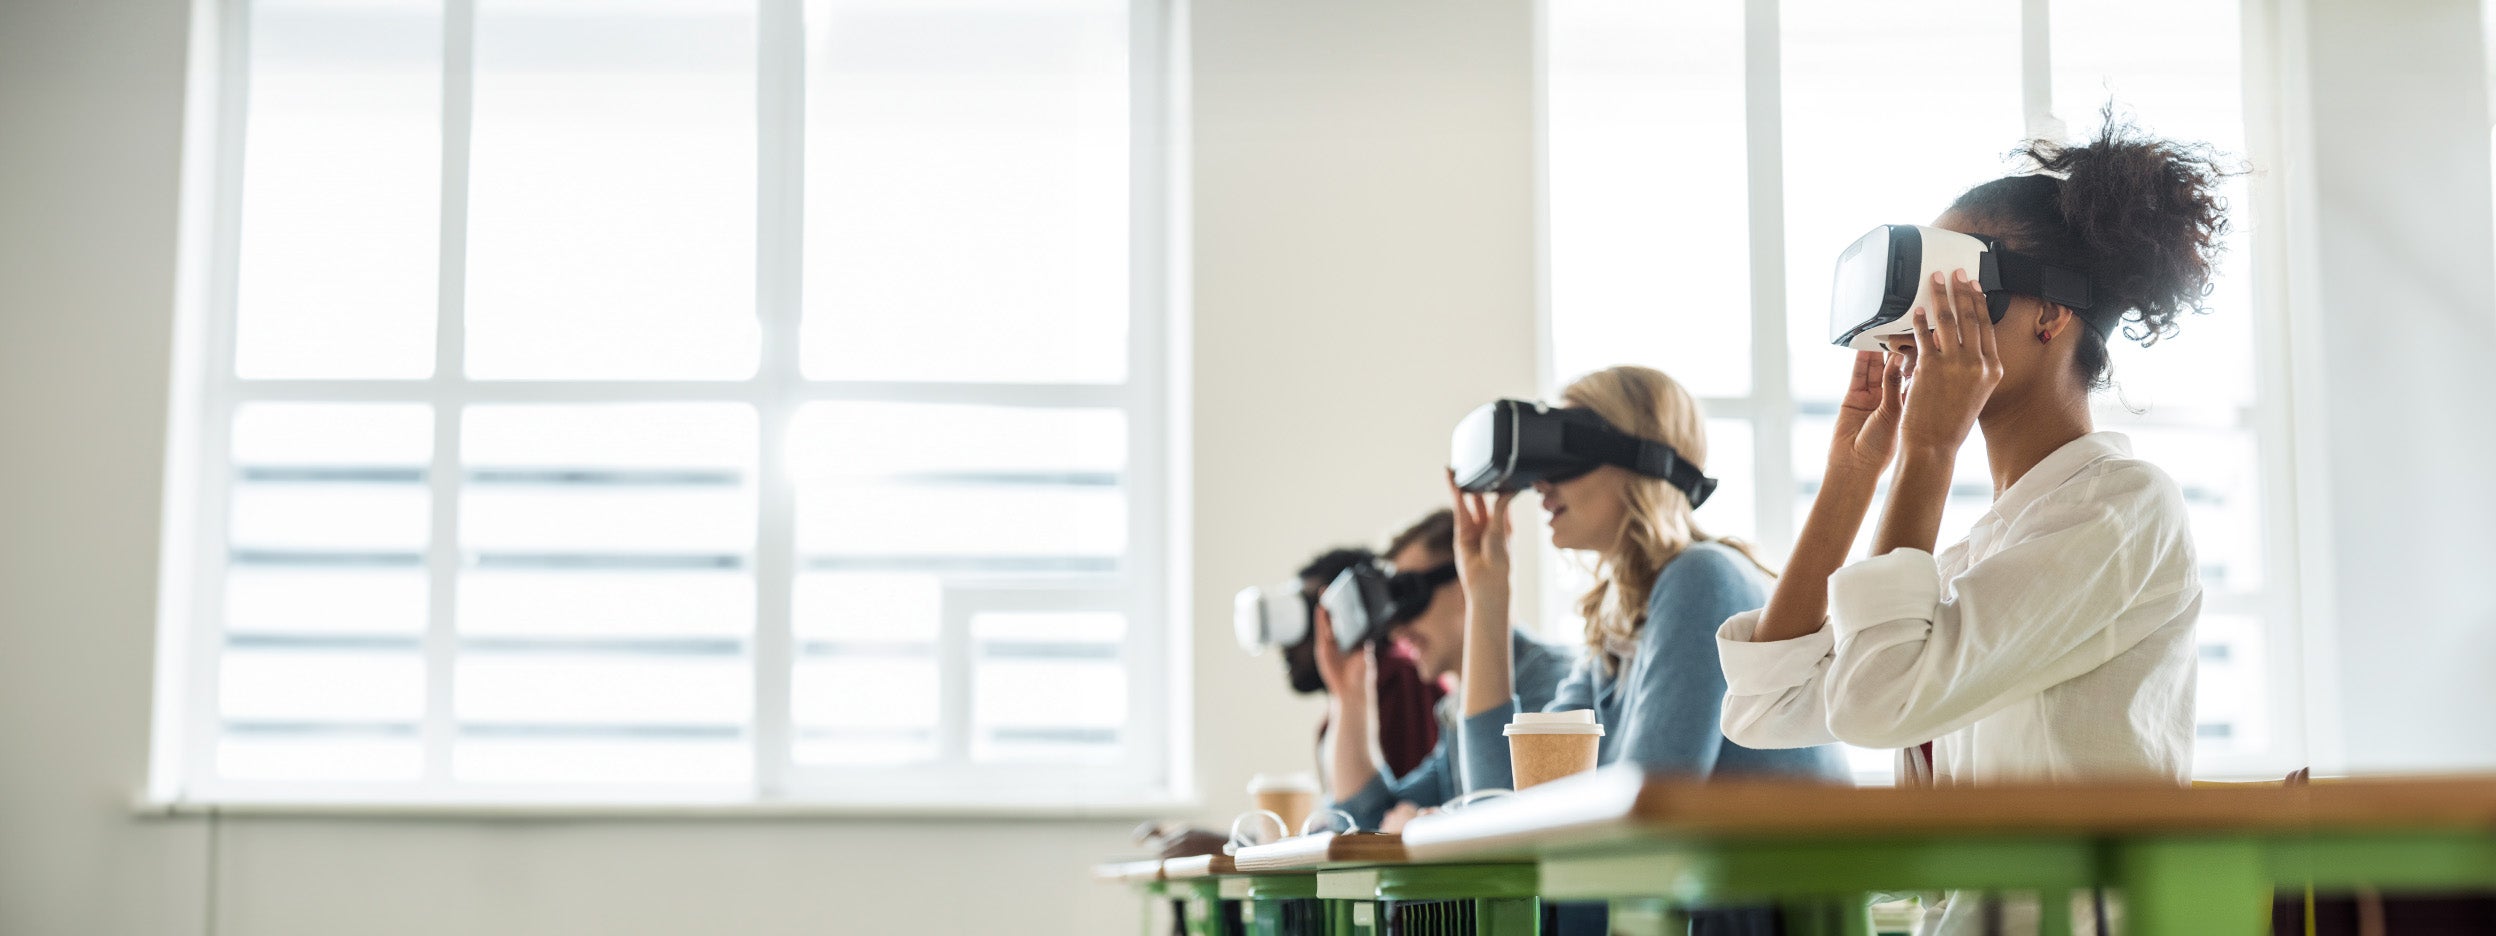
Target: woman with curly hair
{"points": [[2055, 643]]}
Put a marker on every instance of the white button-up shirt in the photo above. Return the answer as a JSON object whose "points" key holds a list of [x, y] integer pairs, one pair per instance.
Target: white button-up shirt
{"points": [[2054, 644]]}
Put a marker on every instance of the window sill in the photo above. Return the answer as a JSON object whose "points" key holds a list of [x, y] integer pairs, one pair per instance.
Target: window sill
{"points": [[627, 810]]}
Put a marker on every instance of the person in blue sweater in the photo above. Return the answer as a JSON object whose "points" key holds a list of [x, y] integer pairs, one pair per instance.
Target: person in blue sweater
{"points": [[1359, 780], [1662, 587]]}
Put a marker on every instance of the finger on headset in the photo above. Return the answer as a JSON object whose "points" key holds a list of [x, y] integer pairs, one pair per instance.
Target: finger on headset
{"points": [[1975, 312], [1893, 381], [1866, 369], [1985, 334], [1456, 499], [1948, 325], [1925, 342]]}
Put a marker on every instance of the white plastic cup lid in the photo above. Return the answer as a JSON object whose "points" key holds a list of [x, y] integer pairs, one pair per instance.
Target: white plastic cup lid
{"points": [[1573, 722], [1283, 783]]}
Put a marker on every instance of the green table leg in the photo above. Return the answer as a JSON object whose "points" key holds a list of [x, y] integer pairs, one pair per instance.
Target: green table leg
{"points": [[1508, 916], [2054, 913], [1154, 896], [2191, 886], [1351, 896], [1855, 916], [1204, 910]]}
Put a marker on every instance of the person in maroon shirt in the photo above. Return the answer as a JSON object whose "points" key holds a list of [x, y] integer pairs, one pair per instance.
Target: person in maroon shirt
{"points": [[1408, 722]]}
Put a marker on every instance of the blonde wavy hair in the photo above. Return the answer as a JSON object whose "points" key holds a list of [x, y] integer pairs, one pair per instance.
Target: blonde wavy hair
{"points": [[1658, 525]]}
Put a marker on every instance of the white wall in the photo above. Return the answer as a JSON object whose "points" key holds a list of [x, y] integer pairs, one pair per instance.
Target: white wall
{"points": [[2405, 342], [90, 114], [1362, 237], [1364, 246]]}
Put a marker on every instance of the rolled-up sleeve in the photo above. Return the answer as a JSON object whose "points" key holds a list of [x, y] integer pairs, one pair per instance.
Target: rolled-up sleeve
{"points": [[1914, 660], [1772, 689], [1903, 585]]}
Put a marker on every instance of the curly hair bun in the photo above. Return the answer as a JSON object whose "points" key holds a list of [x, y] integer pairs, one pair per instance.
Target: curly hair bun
{"points": [[2146, 216]]}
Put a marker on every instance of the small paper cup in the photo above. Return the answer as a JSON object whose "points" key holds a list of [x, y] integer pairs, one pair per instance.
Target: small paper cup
{"points": [[1546, 746]]}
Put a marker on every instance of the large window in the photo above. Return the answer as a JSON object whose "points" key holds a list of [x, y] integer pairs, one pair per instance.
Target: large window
{"points": [[674, 400], [1706, 163]]}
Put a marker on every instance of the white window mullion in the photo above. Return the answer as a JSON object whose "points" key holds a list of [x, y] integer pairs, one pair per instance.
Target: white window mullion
{"points": [[442, 555], [498, 391], [953, 678], [2036, 70], [795, 388], [1150, 565], [1772, 394], [203, 723], [984, 394], [779, 216]]}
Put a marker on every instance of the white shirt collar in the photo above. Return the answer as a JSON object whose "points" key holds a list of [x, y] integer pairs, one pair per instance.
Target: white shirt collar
{"points": [[2057, 468]]}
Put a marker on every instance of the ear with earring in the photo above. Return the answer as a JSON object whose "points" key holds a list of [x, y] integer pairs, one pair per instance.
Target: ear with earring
{"points": [[2047, 329]]}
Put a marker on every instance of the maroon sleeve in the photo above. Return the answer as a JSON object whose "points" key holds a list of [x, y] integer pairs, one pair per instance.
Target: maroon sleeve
{"points": [[1408, 721]]}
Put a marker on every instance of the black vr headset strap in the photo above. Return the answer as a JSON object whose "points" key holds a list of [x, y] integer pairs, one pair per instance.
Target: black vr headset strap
{"points": [[1428, 580], [1644, 456], [1409, 593], [2060, 285]]}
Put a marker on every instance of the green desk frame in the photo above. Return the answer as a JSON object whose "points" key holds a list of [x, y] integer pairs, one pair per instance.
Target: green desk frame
{"points": [[2178, 864]]}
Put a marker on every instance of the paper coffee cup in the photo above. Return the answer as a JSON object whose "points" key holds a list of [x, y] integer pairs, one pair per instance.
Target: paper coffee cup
{"points": [[1546, 746], [1291, 796]]}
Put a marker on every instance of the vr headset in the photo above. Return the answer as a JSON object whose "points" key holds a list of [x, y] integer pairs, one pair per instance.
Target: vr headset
{"points": [[1508, 445], [1367, 600], [1889, 271], [1270, 616]]}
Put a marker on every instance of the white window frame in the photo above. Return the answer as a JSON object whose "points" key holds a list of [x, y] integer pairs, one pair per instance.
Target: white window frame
{"points": [[1770, 407], [1148, 588]]}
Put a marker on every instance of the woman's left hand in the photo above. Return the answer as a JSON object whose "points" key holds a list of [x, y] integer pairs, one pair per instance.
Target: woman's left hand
{"points": [[1957, 365]]}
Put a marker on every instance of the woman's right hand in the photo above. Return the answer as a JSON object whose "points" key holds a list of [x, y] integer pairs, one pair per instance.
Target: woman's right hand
{"points": [[1481, 539], [1341, 671], [1868, 418]]}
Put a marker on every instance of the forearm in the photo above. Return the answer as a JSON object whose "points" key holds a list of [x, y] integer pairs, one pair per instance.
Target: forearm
{"points": [[1488, 672], [1800, 602], [1350, 737], [1912, 519], [1484, 749]]}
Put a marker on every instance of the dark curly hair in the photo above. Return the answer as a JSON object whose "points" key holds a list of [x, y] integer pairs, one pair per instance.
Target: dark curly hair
{"points": [[2141, 214]]}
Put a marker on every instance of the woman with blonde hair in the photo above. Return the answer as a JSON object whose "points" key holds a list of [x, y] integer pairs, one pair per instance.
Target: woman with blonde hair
{"points": [[1663, 585]]}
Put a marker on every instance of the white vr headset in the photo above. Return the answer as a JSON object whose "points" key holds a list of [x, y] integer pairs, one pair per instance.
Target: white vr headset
{"points": [[1365, 600], [1270, 616], [1890, 270]]}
